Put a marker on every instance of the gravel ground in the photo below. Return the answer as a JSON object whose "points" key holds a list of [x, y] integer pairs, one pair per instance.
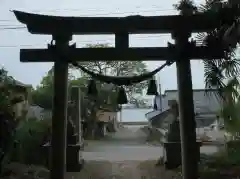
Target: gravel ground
{"points": [[127, 144], [121, 170], [124, 155]]}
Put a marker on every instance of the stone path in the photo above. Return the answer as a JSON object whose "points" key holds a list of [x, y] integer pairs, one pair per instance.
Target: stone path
{"points": [[121, 170], [123, 155], [126, 144]]}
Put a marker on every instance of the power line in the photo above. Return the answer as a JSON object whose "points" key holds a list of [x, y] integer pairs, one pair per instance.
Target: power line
{"points": [[13, 28], [17, 27]]}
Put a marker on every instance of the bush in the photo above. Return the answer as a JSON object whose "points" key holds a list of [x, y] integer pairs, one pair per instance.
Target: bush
{"points": [[7, 128], [21, 171], [31, 135], [224, 164], [221, 165]]}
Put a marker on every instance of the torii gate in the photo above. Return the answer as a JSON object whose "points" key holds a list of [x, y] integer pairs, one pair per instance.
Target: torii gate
{"points": [[62, 29]]}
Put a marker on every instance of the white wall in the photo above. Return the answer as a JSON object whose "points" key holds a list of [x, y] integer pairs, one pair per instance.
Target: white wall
{"points": [[132, 115], [202, 102], [38, 113]]}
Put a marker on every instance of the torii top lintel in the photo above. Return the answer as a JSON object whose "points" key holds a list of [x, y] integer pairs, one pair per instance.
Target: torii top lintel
{"points": [[50, 25]]}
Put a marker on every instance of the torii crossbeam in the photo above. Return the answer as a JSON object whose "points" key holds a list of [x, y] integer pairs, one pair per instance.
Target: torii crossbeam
{"points": [[62, 29]]}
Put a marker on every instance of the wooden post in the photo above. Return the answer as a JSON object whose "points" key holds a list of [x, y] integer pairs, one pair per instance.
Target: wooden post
{"points": [[186, 108], [59, 117], [121, 43]]}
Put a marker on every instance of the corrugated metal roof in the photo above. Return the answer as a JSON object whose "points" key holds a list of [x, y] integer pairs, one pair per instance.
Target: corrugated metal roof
{"points": [[13, 82]]}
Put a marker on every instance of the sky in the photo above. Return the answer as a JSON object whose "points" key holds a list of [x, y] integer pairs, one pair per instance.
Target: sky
{"points": [[12, 39]]}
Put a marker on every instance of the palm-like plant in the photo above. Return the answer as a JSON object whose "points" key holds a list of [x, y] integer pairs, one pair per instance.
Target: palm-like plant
{"points": [[221, 74]]}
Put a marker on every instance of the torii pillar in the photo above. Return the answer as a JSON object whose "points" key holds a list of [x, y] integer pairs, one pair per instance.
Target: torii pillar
{"points": [[186, 106], [74, 150], [59, 115]]}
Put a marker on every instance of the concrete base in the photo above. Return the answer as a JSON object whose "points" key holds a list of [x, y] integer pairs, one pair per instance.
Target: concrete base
{"points": [[73, 162], [75, 167], [172, 157]]}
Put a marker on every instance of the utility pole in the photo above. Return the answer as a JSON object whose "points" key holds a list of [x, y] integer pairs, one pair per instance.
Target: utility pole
{"points": [[160, 93]]}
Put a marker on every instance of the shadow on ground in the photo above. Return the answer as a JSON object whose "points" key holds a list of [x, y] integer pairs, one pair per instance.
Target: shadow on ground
{"points": [[122, 170]]}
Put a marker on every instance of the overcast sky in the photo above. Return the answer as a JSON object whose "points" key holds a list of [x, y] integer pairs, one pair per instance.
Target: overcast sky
{"points": [[31, 73]]}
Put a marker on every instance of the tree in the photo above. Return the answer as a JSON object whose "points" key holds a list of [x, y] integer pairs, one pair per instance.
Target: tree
{"points": [[221, 74], [4, 94], [106, 97], [8, 121], [43, 94], [120, 68], [230, 108], [225, 37], [5, 116]]}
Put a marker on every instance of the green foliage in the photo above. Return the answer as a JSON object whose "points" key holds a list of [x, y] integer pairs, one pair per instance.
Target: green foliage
{"points": [[186, 4], [42, 97], [222, 165], [230, 108], [106, 97], [31, 135], [43, 94], [21, 142], [221, 160], [4, 91], [223, 38], [7, 118], [222, 74]]}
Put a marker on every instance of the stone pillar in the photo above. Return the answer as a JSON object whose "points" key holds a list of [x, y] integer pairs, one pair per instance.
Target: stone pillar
{"points": [[74, 150], [174, 129], [76, 111], [173, 104]]}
